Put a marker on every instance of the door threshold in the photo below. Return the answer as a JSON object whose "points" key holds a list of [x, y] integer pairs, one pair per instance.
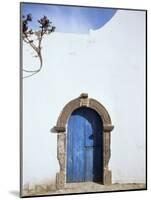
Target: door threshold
{"points": [[82, 184]]}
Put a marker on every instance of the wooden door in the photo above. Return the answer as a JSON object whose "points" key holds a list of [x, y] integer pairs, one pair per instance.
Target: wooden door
{"points": [[84, 146]]}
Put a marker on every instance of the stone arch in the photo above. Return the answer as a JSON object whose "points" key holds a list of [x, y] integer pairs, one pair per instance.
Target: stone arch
{"points": [[60, 129]]}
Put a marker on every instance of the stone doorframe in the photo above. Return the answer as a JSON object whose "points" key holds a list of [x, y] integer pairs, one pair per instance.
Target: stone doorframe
{"points": [[61, 130]]}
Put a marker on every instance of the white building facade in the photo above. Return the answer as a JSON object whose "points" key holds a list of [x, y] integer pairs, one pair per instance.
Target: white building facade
{"points": [[109, 65]]}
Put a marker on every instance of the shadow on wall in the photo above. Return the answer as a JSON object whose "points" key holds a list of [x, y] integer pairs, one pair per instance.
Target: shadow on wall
{"points": [[53, 130], [14, 193]]}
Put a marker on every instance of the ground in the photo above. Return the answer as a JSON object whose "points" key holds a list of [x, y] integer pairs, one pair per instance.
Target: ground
{"points": [[88, 187]]}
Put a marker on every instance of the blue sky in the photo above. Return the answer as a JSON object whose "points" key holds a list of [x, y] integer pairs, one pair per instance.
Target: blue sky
{"points": [[69, 19]]}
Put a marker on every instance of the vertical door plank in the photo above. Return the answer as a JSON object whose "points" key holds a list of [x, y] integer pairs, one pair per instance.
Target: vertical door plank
{"points": [[78, 143]]}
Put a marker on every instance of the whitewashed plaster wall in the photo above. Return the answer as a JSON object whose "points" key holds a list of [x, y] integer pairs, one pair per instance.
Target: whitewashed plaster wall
{"points": [[109, 65]]}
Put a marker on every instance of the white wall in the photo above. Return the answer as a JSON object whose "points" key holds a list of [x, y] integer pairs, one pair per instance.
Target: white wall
{"points": [[109, 65]]}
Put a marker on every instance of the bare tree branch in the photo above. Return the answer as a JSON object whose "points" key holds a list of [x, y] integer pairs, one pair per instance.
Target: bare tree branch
{"points": [[45, 28]]}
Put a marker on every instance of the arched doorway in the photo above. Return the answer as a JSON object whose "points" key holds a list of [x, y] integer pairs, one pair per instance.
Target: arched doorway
{"points": [[84, 146], [61, 129]]}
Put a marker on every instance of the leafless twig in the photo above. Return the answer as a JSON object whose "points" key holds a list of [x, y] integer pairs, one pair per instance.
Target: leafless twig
{"points": [[45, 28]]}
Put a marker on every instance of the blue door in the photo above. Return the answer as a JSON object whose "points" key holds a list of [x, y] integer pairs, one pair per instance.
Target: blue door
{"points": [[84, 146]]}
